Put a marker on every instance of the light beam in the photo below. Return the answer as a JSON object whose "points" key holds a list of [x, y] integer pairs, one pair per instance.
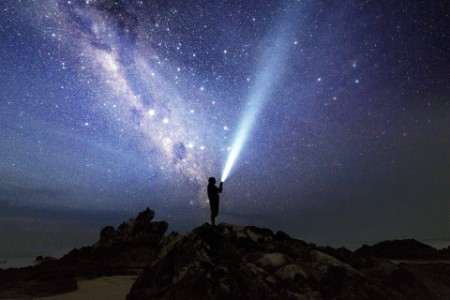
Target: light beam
{"points": [[270, 68]]}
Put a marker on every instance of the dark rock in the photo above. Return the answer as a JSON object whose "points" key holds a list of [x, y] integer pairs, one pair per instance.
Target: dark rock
{"points": [[435, 276], [133, 245], [400, 249], [445, 253], [233, 262], [230, 262], [46, 279], [40, 259], [282, 235], [348, 257], [146, 215], [52, 284], [107, 234], [402, 276]]}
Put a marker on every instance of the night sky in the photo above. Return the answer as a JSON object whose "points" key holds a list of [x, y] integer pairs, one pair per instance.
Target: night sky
{"points": [[107, 107]]}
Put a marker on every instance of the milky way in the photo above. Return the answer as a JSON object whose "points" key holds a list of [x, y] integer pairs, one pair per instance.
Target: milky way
{"points": [[341, 109], [142, 91]]}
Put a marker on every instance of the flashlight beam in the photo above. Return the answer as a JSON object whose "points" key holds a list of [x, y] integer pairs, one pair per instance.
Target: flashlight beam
{"points": [[269, 72]]}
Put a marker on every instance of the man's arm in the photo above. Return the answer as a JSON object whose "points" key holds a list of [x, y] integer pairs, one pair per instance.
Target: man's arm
{"points": [[219, 190]]}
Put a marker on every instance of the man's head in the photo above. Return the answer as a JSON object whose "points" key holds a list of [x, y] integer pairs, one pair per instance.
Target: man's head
{"points": [[212, 180]]}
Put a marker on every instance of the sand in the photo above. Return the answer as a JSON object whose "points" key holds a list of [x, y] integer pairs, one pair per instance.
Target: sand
{"points": [[111, 288]]}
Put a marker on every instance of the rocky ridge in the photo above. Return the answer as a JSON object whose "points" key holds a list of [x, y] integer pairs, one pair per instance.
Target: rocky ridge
{"points": [[233, 262], [228, 262]]}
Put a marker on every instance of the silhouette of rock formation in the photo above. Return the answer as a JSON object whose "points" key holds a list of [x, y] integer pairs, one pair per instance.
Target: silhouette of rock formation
{"points": [[131, 245], [403, 249], [233, 262], [229, 262], [40, 259]]}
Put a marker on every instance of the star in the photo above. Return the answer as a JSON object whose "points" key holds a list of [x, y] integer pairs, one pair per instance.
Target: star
{"points": [[119, 105]]}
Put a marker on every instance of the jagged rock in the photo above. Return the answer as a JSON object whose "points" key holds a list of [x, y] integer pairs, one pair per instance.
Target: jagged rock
{"points": [[107, 234], [41, 259], [134, 244], [233, 262], [146, 215], [227, 262]]}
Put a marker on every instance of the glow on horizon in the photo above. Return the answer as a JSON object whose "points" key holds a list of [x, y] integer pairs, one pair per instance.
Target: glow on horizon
{"points": [[270, 67]]}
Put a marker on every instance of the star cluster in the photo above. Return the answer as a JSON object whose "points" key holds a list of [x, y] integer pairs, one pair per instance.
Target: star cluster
{"points": [[112, 106]]}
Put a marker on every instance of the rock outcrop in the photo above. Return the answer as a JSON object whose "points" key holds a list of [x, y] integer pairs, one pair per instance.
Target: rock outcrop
{"points": [[232, 262], [40, 259], [228, 262], [132, 245]]}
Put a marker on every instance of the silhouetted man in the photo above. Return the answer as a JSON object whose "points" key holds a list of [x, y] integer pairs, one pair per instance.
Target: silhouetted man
{"points": [[213, 196]]}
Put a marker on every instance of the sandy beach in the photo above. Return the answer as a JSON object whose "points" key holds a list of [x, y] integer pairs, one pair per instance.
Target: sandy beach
{"points": [[111, 287]]}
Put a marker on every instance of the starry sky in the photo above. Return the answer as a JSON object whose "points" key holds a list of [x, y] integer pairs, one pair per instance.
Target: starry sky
{"points": [[107, 107]]}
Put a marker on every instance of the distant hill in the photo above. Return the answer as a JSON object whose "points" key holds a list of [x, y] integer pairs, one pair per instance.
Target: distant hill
{"points": [[403, 249], [229, 262]]}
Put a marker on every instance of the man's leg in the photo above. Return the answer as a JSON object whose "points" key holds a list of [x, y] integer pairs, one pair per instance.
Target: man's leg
{"points": [[213, 217], [214, 208]]}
